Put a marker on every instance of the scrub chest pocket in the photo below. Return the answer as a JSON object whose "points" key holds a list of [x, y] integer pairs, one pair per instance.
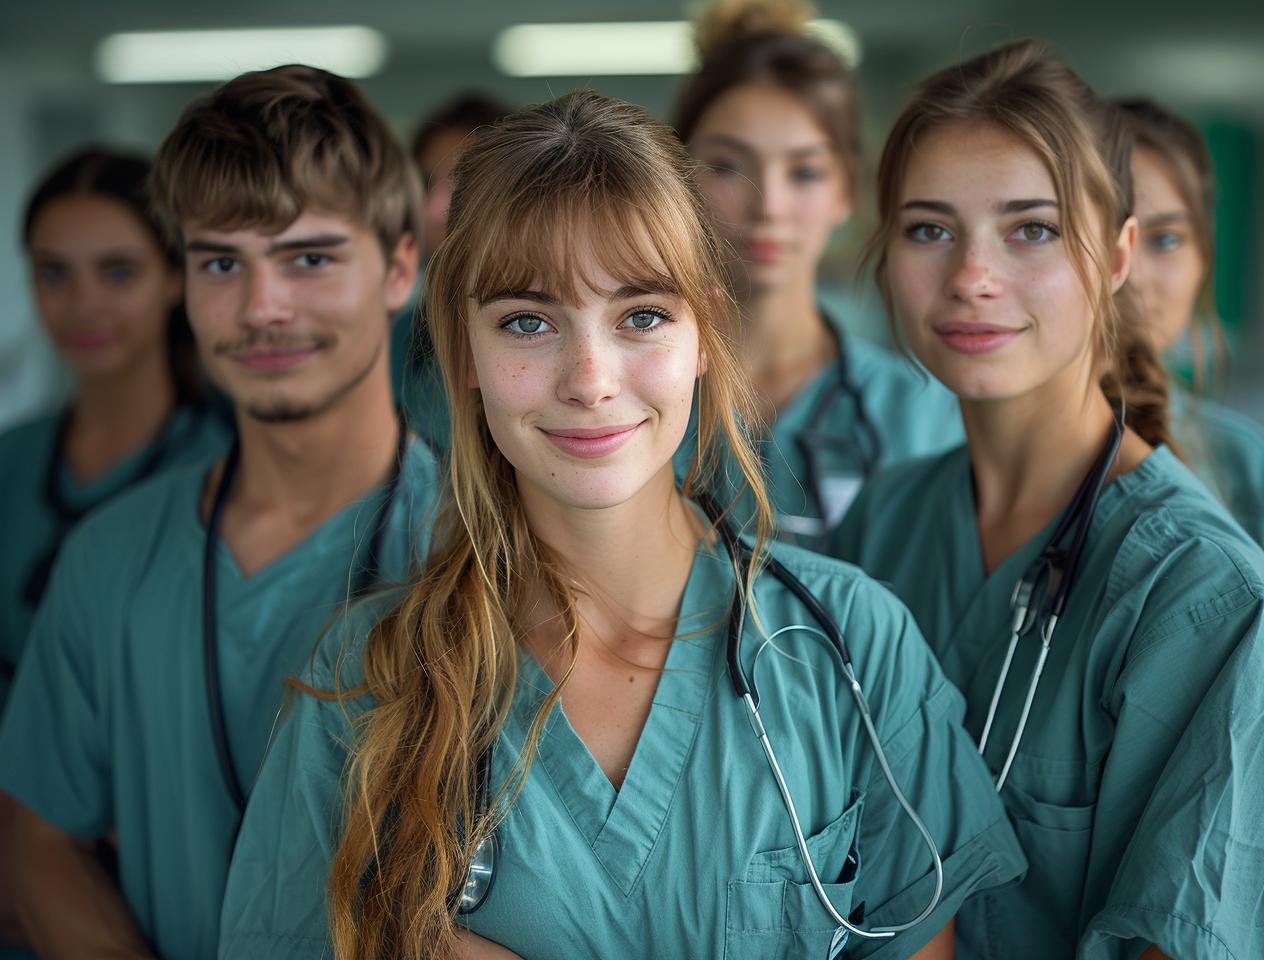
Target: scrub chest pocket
{"points": [[774, 914]]}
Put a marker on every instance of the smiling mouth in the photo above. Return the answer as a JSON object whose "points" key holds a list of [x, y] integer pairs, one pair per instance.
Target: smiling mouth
{"points": [[274, 358], [591, 442], [974, 338]]}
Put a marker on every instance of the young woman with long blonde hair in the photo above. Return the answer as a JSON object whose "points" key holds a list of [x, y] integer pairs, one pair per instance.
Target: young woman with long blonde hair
{"points": [[570, 627], [1102, 614]]}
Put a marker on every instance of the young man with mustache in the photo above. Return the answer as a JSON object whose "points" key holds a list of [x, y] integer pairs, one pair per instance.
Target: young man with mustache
{"points": [[156, 668]]}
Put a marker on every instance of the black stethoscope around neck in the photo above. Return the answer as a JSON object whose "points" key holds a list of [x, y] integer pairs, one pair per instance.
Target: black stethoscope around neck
{"points": [[66, 515], [1057, 565], [369, 574]]}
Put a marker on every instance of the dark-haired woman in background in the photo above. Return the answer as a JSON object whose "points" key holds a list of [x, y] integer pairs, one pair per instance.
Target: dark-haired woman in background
{"points": [[772, 114], [111, 296], [1065, 548], [1172, 278]]}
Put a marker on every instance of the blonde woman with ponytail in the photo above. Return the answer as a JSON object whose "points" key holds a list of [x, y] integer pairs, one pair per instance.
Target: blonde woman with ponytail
{"points": [[1120, 715], [773, 117], [571, 624]]}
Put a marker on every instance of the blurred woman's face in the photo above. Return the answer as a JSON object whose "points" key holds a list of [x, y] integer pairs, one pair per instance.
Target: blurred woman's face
{"points": [[1168, 268], [103, 287], [776, 186]]}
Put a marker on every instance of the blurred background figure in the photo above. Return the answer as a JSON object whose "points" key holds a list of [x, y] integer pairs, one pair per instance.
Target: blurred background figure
{"points": [[436, 146], [1172, 277], [110, 294], [773, 115]]}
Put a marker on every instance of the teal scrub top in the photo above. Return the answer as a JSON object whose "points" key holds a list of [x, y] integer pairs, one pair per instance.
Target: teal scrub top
{"points": [[1135, 833], [108, 727], [417, 382], [1226, 449], [867, 409], [34, 523], [694, 854]]}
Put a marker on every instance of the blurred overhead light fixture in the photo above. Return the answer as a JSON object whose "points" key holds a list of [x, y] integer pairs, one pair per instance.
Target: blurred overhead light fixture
{"points": [[625, 49], [183, 56]]}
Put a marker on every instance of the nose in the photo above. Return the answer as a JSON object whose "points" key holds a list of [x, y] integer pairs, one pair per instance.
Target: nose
{"points": [[267, 301], [975, 275], [770, 195], [86, 300], [591, 375]]}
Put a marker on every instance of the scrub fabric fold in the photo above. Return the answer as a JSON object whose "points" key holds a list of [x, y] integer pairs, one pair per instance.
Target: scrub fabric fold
{"points": [[694, 854], [1128, 791]]}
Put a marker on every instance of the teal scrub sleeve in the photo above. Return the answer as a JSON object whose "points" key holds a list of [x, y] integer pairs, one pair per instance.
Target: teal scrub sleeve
{"points": [[919, 716], [1191, 875], [54, 738]]}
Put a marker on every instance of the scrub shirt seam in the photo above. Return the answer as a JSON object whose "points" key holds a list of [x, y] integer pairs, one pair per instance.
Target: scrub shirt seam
{"points": [[1197, 615], [1179, 919], [942, 693]]}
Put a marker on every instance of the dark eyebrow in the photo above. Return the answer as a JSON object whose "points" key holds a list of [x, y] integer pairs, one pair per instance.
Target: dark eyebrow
{"points": [[934, 206], [283, 246], [306, 243], [1020, 206], [1010, 206], [207, 246]]}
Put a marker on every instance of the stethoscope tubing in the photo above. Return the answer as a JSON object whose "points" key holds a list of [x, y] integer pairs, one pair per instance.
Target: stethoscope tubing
{"points": [[210, 597], [1065, 564], [744, 687]]}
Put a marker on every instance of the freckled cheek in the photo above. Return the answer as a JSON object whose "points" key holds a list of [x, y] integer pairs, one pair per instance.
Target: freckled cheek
{"points": [[664, 376], [514, 388]]}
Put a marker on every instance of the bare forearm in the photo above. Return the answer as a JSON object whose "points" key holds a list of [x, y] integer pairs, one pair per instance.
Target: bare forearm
{"points": [[70, 908]]}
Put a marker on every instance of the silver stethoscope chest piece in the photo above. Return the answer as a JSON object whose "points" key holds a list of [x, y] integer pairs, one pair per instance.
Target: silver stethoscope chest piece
{"points": [[478, 883]]}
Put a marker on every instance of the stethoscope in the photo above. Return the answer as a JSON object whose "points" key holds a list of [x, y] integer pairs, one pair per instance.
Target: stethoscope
{"points": [[369, 574], [66, 515], [863, 444], [1061, 566], [483, 863]]}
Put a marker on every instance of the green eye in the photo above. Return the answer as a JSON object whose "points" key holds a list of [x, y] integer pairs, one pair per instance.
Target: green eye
{"points": [[526, 325]]}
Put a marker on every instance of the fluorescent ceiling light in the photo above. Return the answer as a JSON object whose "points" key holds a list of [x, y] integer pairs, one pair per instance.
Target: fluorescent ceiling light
{"points": [[625, 49], [182, 56]]}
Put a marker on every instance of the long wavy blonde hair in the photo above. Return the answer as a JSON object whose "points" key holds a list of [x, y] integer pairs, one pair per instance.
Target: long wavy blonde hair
{"points": [[532, 193]]}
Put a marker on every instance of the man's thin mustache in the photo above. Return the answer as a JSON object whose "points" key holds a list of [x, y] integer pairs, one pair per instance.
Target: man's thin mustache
{"points": [[266, 338]]}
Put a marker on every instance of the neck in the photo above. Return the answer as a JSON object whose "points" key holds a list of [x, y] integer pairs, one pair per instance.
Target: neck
{"points": [[1030, 454], [786, 341], [294, 476], [632, 561], [783, 327], [114, 416]]}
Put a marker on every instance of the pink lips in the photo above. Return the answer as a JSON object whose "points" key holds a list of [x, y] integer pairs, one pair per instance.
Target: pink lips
{"points": [[592, 442], [765, 251], [975, 337]]}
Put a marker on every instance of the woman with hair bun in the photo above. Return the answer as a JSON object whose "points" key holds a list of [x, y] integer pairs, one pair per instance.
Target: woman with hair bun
{"points": [[1102, 614], [1171, 277], [556, 682], [773, 116]]}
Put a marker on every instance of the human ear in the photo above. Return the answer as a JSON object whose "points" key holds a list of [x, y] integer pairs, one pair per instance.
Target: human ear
{"points": [[472, 380], [401, 272], [702, 361], [1122, 260]]}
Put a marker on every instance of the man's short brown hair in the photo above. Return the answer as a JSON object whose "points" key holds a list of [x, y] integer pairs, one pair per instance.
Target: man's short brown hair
{"points": [[268, 145]]}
